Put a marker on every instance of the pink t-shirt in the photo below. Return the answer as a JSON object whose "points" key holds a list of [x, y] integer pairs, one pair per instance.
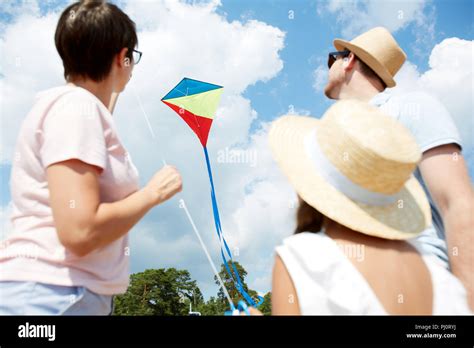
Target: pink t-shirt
{"points": [[66, 122]]}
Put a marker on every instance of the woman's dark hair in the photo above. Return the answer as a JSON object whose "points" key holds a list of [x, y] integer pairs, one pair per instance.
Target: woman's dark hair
{"points": [[88, 36], [308, 219]]}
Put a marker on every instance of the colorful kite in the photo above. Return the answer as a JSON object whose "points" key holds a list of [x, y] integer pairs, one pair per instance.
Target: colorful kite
{"points": [[196, 102]]}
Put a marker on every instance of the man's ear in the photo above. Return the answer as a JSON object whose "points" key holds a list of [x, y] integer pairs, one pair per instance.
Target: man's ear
{"points": [[122, 59], [348, 62]]}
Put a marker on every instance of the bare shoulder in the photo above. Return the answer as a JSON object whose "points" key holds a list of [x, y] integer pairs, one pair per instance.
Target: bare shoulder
{"points": [[284, 297]]}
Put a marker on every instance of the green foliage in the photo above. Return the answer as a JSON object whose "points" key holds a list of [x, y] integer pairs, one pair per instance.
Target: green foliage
{"points": [[170, 291], [230, 284], [158, 292], [212, 307], [266, 307]]}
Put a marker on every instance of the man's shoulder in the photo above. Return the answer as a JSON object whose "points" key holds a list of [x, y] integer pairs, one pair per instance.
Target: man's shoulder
{"points": [[426, 117], [418, 106], [418, 96]]}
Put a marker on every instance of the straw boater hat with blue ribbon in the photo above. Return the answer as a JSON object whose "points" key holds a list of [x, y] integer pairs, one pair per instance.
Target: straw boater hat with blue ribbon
{"points": [[355, 165]]}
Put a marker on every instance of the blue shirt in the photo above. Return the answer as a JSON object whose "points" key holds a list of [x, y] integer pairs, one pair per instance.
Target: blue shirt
{"points": [[431, 125]]}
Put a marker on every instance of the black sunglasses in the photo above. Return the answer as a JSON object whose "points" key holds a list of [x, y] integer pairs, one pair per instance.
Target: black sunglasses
{"points": [[137, 55], [332, 56]]}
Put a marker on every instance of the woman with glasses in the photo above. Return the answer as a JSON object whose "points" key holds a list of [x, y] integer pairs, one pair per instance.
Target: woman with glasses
{"points": [[75, 191]]}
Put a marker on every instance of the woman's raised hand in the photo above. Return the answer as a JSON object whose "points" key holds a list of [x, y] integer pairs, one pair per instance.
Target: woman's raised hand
{"points": [[164, 184]]}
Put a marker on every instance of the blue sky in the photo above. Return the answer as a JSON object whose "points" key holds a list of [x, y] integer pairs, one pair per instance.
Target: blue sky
{"points": [[293, 37]]}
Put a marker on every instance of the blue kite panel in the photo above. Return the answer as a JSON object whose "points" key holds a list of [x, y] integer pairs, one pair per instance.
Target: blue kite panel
{"points": [[189, 87]]}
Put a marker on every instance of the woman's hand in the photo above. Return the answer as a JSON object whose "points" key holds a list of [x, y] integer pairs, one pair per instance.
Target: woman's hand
{"points": [[164, 184], [253, 311]]}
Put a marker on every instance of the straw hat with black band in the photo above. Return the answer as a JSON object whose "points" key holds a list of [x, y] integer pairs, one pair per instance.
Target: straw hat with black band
{"points": [[355, 166], [378, 49]]}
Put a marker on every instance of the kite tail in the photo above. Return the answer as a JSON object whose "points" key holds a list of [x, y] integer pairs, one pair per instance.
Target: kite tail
{"points": [[223, 242]]}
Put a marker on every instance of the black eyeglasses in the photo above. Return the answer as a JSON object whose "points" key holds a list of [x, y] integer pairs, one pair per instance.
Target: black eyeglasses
{"points": [[137, 55], [333, 56]]}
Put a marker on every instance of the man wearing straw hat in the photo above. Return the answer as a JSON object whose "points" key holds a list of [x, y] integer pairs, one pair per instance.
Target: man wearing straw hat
{"points": [[362, 69]]}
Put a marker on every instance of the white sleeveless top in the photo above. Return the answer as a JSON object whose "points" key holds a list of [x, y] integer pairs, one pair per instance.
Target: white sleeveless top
{"points": [[326, 281]]}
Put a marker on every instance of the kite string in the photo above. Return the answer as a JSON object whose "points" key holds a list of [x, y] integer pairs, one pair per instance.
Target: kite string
{"points": [[143, 111], [226, 293]]}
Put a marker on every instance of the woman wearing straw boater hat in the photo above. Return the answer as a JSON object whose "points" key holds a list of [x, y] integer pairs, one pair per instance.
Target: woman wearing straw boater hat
{"points": [[354, 251], [363, 69]]}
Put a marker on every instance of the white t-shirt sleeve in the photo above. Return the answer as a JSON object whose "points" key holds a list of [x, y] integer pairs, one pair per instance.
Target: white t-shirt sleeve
{"points": [[74, 129], [428, 120]]}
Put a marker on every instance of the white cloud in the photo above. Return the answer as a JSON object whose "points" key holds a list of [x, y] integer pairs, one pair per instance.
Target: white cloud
{"points": [[207, 45], [357, 16], [230, 127], [178, 39], [320, 75], [12, 9], [449, 78], [29, 64], [264, 216]]}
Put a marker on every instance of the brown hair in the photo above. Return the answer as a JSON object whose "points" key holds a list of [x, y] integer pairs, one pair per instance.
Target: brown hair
{"points": [[369, 73], [88, 36], [308, 219]]}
